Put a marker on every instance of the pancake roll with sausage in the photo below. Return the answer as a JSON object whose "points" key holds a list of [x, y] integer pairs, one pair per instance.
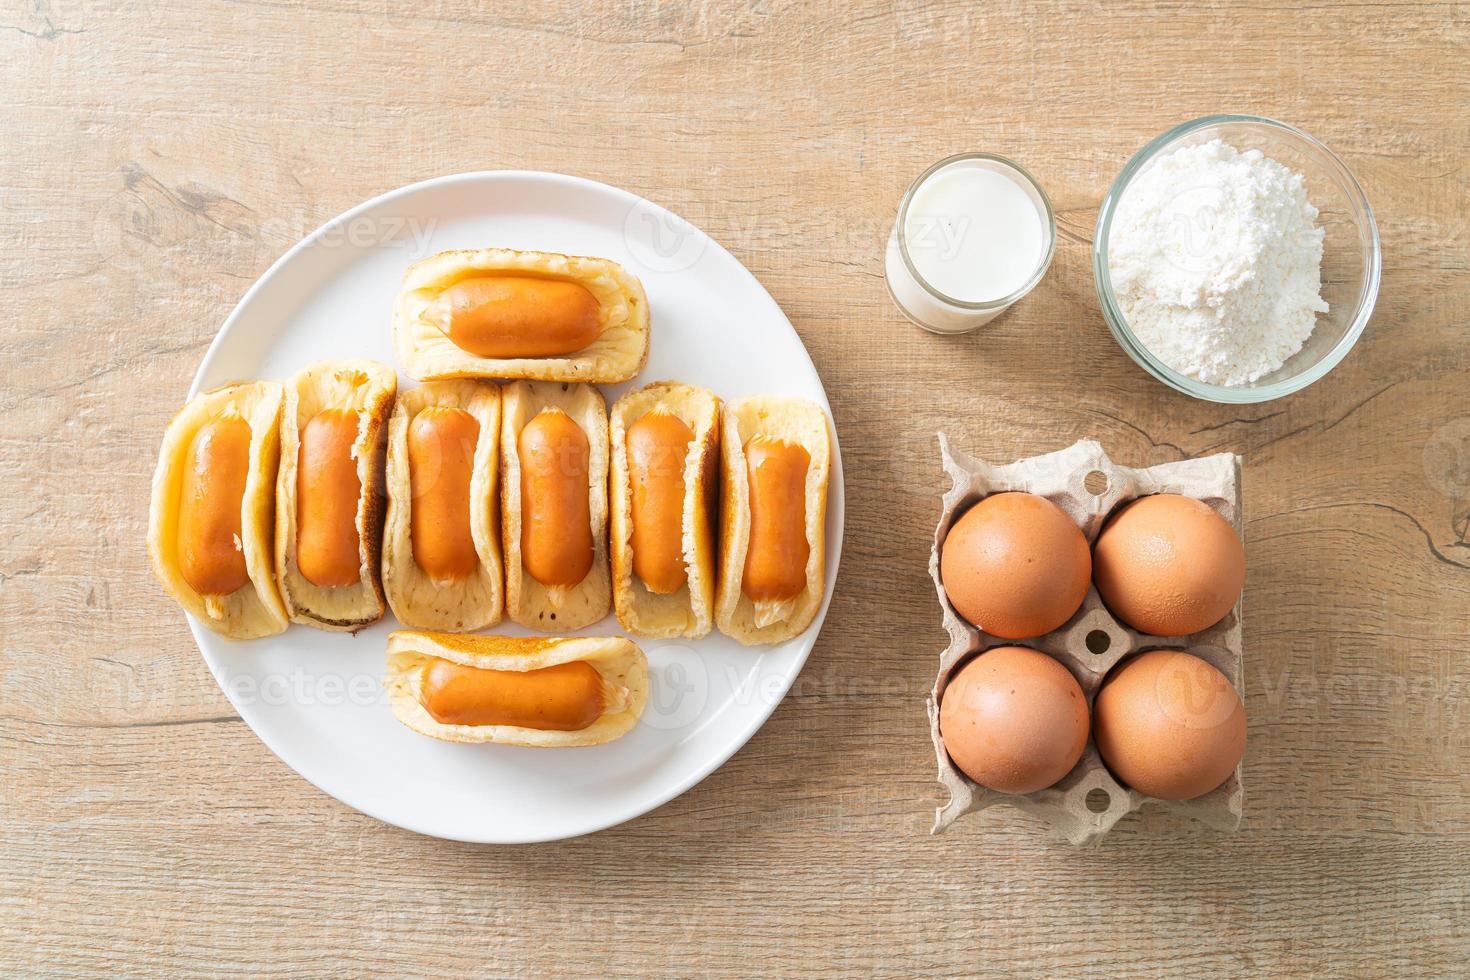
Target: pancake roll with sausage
{"points": [[442, 566], [776, 457], [540, 692], [329, 493], [665, 441], [554, 467], [211, 516], [502, 313]]}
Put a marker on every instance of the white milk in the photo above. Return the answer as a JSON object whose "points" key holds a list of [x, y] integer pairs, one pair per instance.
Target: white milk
{"points": [[978, 233]]}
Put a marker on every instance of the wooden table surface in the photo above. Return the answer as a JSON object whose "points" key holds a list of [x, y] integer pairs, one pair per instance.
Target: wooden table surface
{"points": [[158, 157]]}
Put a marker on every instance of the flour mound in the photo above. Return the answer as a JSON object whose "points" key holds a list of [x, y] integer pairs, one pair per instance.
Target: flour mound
{"points": [[1216, 262]]}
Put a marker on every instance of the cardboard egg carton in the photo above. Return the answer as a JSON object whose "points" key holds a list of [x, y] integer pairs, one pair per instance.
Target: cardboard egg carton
{"points": [[1085, 483]]}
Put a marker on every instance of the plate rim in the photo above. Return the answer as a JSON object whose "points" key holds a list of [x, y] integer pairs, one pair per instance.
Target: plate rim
{"points": [[836, 514]]}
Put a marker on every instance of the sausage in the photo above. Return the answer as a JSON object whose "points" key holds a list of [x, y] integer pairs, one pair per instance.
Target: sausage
{"points": [[210, 544], [775, 559], [517, 316], [556, 515], [565, 698], [327, 492], [441, 461], [658, 445]]}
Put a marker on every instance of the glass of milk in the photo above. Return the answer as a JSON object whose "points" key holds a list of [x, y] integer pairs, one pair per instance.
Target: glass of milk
{"points": [[974, 234]]}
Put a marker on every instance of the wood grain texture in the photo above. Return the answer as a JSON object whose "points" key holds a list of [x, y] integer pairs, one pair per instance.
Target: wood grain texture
{"points": [[160, 156]]}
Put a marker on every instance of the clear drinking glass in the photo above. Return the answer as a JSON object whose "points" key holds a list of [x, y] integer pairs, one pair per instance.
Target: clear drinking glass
{"points": [[924, 303]]}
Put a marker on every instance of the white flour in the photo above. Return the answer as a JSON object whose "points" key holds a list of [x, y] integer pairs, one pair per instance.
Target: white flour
{"points": [[1216, 262]]}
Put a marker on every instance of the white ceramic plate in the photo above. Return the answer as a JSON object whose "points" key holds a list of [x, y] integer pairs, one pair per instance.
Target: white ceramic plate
{"points": [[316, 698]]}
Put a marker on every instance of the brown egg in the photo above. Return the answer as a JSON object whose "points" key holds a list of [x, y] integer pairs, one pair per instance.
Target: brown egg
{"points": [[1169, 565], [1015, 565], [1169, 725], [1014, 720]]}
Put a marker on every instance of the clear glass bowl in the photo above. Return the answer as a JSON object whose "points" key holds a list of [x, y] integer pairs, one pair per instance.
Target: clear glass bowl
{"points": [[1352, 259]]}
